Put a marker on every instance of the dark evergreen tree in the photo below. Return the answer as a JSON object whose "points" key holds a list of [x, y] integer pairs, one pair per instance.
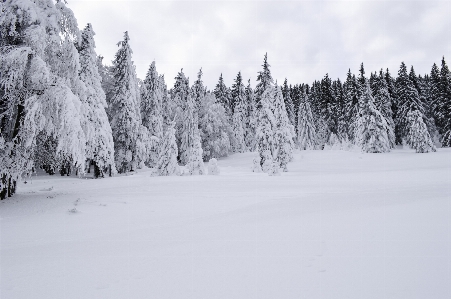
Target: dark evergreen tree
{"points": [[222, 94], [383, 104], [443, 106], [352, 103], [408, 100], [264, 80], [288, 102]]}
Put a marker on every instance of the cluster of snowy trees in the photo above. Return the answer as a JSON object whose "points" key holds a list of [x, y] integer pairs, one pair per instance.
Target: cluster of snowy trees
{"points": [[62, 109]]}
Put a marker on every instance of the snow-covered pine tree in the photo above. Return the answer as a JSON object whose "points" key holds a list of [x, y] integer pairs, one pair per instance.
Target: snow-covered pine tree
{"points": [[223, 96], [264, 79], [306, 137], [198, 90], [418, 136], [167, 155], [408, 100], [195, 163], [151, 103], [99, 139], [214, 128], [250, 118], [383, 104], [327, 105], [239, 114], [126, 119], [443, 106], [288, 102], [189, 130], [176, 105], [352, 103], [340, 109], [34, 98], [371, 131], [322, 130], [283, 131], [266, 123]]}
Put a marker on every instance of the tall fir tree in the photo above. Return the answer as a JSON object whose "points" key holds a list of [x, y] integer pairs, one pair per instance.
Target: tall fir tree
{"points": [[288, 102], [99, 139], [264, 79], [223, 96], [443, 107], [371, 130], [126, 118], [382, 101], [408, 100], [250, 117], [352, 103], [239, 114], [306, 131], [283, 130], [167, 155]]}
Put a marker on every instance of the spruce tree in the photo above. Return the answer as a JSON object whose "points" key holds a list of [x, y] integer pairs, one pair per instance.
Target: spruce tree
{"points": [[189, 130], [167, 155], [198, 90], [351, 103], [250, 119], [214, 127], [418, 136], [306, 132], [223, 96], [239, 114], [443, 107], [288, 102], [371, 130], [266, 143], [99, 139], [283, 131], [383, 104], [264, 80], [151, 102], [126, 118], [408, 100]]}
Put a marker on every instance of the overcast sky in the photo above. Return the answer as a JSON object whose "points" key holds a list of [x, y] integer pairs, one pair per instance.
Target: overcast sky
{"points": [[304, 39]]}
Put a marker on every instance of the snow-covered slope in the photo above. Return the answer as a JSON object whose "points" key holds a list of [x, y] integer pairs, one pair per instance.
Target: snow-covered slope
{"points": [[337, 225]]}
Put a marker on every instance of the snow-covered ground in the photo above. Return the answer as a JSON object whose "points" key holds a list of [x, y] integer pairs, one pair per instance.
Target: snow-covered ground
{"points": [[338, 225]]}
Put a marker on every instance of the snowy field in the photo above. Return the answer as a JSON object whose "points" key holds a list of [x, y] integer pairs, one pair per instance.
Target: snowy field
{"points": [[338, 225]]}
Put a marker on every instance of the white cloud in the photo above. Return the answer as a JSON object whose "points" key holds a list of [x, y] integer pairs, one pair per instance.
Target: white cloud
{"points": [[304, 39]]}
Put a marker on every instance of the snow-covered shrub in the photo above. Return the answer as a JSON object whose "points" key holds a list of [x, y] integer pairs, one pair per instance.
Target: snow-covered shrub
{"points": [[256, 167], [213, 168], [195, 163]]}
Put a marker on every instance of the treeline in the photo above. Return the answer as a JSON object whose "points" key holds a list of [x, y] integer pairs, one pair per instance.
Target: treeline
{"points": [[63, 110]]}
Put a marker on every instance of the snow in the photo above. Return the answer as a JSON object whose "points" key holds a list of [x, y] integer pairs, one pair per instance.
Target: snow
{"points": [[338, 225]]}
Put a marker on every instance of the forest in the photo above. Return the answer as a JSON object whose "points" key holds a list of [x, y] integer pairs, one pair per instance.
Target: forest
{"points": [[64, 110]]}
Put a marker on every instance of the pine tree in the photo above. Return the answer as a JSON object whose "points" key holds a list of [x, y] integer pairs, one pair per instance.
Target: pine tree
{"points": [[264, 80], [408, 100], [38, 96], [239, 114], [223, 96], [214, 128], [167, 155], [250, 118], [371, 131], [352, 103], [195, 163], [443, 106], [189, 130], [198, 90], [283, 131], [306, 137], [418, 136], [266, 143], [383, 104], [99, 139], [288, 102], [126, 118]]}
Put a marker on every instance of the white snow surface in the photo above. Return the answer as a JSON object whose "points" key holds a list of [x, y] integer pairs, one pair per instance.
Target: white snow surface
{"points": [[337, 225]]}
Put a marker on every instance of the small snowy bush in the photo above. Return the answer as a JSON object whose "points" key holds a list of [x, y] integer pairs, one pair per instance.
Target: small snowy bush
{"points": [[256, 165], [213, 168]]}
